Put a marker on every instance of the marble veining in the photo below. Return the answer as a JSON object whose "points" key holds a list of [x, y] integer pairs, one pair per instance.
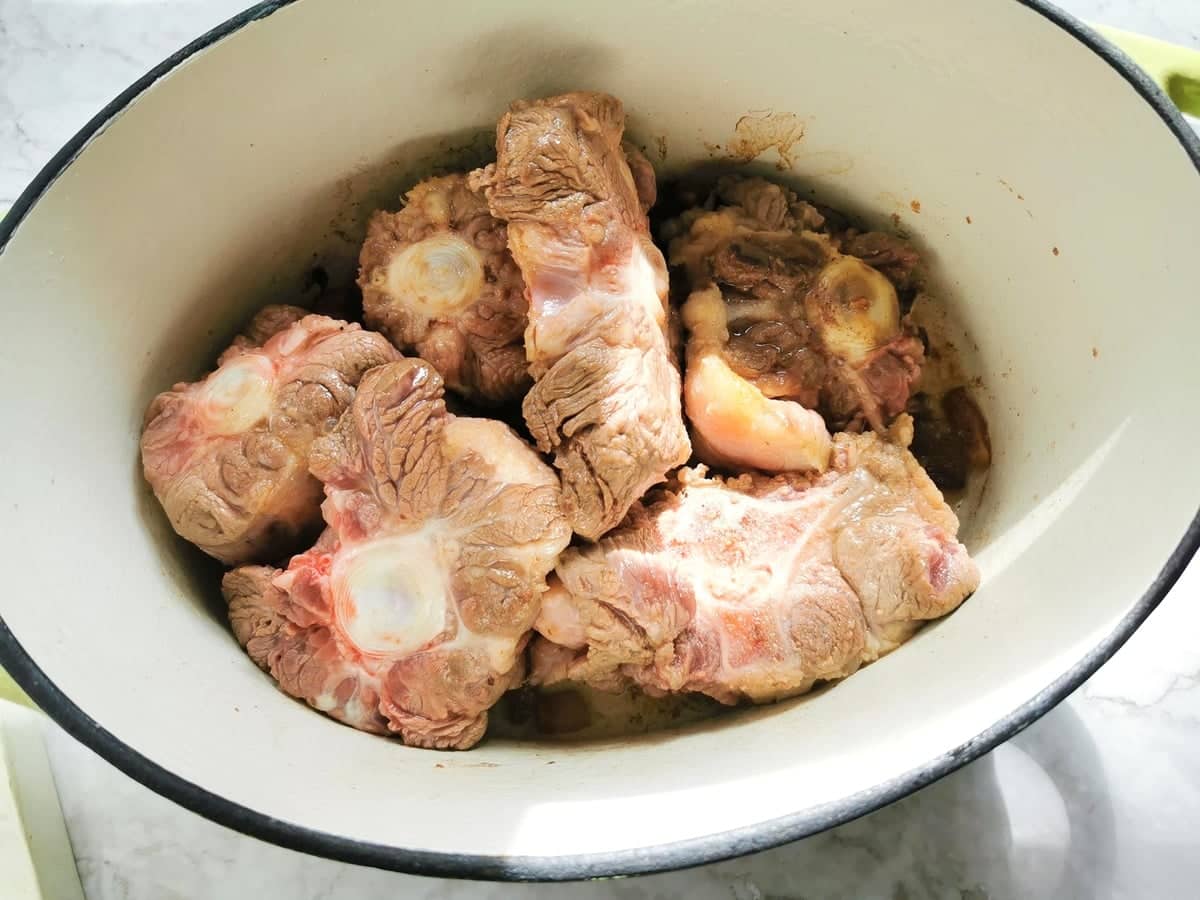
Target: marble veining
{"points": [[1100, 799]]}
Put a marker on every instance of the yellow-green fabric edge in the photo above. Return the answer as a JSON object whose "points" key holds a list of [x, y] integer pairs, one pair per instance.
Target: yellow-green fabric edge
{"points": [[1174, 68], [9, 691]]}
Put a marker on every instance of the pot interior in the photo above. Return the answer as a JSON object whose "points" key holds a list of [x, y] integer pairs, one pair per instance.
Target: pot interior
{"points": [[1059, 214]]}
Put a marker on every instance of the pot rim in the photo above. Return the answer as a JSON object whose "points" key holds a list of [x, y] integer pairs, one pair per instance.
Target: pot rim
{"points": [[664, 857]]}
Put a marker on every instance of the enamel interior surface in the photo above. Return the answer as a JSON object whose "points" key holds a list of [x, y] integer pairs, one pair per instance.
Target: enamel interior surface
{"points": [[1093, 482]]}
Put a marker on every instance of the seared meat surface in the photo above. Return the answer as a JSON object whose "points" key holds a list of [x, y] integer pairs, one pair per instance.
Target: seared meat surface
{"points": [[411, 613], [606, 398], [789, 334], [437, 278], [757, 587], [227, 457]]}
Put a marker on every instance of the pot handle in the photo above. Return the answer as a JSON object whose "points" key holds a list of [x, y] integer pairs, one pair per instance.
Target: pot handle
{"points": [[1174, 68]]}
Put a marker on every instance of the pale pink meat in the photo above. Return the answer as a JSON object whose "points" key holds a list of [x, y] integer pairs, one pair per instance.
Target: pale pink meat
{"points": [[411, 613], [606, 398], [228, 456], [754, 588]]}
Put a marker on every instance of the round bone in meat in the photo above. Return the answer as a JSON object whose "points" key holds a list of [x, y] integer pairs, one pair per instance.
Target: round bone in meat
{"points": [[411, 613], [437, 279], [227, 457]]}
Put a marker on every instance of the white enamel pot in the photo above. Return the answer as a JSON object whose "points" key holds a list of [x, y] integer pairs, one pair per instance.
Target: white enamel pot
{"points": [[1054, 188]]}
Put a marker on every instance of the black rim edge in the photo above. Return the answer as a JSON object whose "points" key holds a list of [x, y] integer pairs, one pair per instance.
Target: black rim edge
{"points": [[64, 157], [665, 857]]}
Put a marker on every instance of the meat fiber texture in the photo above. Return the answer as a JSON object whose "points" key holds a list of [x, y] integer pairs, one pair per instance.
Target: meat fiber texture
{"points": [[606, 397], [758, 587], [437, 278], [227, 456], [792, 331], [412, 612]]}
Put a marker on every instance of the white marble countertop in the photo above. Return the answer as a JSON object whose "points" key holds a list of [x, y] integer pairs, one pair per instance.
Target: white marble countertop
{"points": [[1101, 798]]}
